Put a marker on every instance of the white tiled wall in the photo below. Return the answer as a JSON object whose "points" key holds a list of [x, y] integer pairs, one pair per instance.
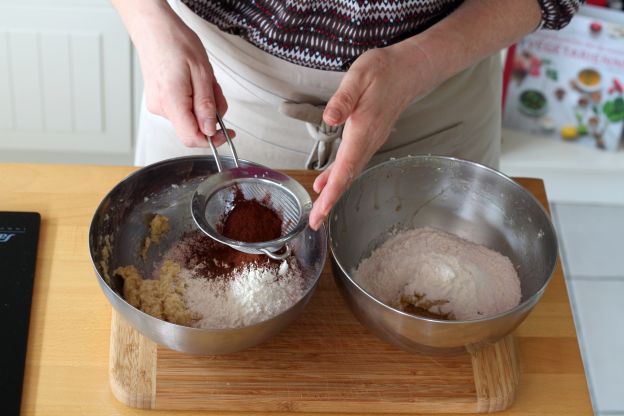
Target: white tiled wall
{"points": [[592, 246], [66, 78]]}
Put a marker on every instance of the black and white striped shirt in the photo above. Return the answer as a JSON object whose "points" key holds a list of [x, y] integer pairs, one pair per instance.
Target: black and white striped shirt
{"points": [[331, 34]]}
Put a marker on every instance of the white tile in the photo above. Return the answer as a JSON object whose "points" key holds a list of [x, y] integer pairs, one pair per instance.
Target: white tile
{"points": [[599, 312], [591, 239]]}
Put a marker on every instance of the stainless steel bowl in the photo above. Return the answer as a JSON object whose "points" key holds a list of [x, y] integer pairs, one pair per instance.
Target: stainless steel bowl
{"points": [[166, 188], [460, 197]]}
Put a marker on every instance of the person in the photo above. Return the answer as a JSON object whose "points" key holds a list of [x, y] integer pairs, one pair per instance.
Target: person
{"points": [[328, 85]]}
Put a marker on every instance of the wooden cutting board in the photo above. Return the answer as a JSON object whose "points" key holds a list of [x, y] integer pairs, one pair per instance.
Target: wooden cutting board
{"points": [[326, 361], [68, 346]]}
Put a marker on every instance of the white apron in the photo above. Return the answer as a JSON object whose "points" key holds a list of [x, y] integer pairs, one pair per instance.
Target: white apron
{"points": [[275, 107]]}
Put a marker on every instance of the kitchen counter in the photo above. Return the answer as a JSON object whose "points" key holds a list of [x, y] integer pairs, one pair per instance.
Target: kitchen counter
{"points": [[67, 360]]}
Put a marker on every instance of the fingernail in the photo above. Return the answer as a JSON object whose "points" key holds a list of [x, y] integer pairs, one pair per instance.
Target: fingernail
{"points": [[333, 114], [314, 225], [315, 186], [208, 128], [231, 133]]}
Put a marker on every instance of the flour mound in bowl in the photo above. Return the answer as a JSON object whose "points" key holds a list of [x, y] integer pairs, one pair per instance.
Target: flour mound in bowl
{"points": [[432, 273], [197, 296], [206, 284]]}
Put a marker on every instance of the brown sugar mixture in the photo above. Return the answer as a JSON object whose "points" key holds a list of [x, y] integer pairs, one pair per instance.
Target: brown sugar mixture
{"points": [[251, 221], [158, 227]]}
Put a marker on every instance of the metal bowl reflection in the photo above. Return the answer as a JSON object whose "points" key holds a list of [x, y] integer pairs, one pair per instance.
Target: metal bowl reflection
{"points": [[464, 198], [167, 188]]}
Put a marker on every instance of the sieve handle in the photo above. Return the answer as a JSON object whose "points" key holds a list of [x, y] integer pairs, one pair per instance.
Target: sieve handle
{"points": [[228, 139], [276, 256], [215, 154]]}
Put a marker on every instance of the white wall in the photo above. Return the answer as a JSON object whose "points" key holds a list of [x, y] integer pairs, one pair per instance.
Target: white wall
{"points": [[66, 82]]}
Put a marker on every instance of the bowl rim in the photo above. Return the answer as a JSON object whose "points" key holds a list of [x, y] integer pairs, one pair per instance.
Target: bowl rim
{"points": [[322, 231], [529, 301]]}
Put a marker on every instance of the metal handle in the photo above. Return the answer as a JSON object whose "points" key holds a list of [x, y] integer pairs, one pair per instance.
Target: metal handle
{"points": [[227, 138], [215, 153], [276, 256]]}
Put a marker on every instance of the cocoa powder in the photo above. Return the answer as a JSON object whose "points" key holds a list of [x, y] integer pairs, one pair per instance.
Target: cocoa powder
{"points": [[211, 259], [251, 221]]}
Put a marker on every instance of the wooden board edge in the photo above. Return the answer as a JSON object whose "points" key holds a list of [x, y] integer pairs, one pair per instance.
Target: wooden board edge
{"points": [[496, 375], [132, 365]]}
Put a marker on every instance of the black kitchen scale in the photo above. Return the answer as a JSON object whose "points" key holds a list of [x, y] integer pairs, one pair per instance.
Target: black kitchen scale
{"points": [[19, 234]]}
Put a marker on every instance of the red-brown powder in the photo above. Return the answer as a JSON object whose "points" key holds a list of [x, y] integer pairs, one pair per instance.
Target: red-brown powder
{"points": [[210, 258], [251, 221]]}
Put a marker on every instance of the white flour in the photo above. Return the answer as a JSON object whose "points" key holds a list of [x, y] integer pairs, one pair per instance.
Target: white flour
{"points": [[441, 273], [249, 296]]}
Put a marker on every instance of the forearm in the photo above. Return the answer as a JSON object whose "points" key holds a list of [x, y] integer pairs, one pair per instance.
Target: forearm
{"points": [[475, 30], [136, 13]]}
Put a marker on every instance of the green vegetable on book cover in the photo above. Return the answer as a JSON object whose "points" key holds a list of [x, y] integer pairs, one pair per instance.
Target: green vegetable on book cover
{"points": [[614, 109]]}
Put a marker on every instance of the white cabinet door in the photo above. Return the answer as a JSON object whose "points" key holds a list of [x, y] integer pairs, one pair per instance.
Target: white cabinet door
{"points": [[65, 80]]}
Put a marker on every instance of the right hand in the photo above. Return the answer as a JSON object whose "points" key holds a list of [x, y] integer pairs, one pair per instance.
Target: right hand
{"points": [[178, 79]]}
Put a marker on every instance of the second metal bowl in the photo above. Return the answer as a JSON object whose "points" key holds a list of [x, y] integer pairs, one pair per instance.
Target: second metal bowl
{"points": [[456, 196]]}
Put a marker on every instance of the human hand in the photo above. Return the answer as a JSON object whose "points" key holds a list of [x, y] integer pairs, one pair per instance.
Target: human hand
{"points": [[373, 93], [178, 78]]}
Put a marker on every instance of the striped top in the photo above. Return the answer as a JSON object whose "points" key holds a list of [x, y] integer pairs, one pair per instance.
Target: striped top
{"points": [[331, 34]]}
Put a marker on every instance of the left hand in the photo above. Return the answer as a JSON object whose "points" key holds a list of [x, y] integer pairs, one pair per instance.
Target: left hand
{"points": [[373, 93]]}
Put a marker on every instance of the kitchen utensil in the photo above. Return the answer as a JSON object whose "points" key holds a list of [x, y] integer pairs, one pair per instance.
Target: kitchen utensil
{"points": [[464, 198], [214, 198], [19, 238], [118, 230]]}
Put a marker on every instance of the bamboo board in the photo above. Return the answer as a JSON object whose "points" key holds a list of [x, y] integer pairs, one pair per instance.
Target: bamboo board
{"points": [[326, 361], [68, 353]]}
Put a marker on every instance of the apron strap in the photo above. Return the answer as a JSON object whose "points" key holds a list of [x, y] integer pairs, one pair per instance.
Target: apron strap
{"points": [[326, 138]]}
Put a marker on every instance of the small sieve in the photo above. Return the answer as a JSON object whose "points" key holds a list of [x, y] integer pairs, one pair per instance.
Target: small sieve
{"points": [[214, 199]]}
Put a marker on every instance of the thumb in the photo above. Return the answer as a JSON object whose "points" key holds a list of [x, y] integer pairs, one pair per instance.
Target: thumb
{"points": [[204, 103], [343, 102]]}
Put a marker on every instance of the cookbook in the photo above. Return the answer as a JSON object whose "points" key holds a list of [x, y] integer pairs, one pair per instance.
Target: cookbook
{"points": [[568, 85]]}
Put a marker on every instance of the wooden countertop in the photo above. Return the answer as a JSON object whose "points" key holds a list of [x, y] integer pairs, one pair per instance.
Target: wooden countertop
{"points": [[67, 360]]}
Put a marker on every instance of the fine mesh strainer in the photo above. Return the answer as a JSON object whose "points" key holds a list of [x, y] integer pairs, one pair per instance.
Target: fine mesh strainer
{"points": [[214, 199]]}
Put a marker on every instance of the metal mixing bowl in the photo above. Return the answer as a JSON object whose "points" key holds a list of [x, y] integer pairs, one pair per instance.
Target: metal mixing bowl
{"points": [[460, 197], [166, 188]]}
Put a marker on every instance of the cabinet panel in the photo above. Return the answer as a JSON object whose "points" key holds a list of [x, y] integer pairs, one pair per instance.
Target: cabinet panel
{"points": [[6, 93], [65, 79], [26, 80], [57, 84], [87, 82]]}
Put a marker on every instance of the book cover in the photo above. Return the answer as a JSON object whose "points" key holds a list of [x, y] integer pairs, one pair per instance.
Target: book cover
{"points": [[569, 84]]}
